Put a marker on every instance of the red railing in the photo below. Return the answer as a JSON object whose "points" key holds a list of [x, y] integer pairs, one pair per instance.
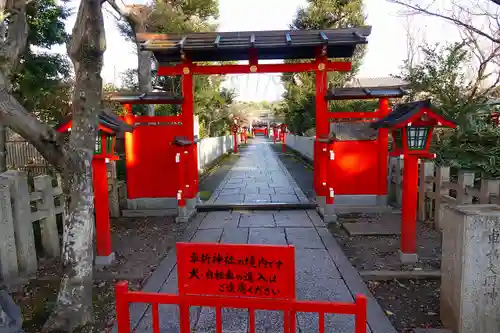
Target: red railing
{"points": [[289, 307]]}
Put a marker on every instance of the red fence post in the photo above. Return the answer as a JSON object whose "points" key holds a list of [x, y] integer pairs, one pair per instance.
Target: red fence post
{"points": [[360, 321], [122, 308]]}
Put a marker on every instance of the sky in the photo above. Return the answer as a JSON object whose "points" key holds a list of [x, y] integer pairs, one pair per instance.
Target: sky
{"points": [[386, 44]]}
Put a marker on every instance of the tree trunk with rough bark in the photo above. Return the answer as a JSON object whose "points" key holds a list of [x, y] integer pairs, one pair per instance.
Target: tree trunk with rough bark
{"points": [[86, 50], [144, 72], [136, 16], [13, 39]]}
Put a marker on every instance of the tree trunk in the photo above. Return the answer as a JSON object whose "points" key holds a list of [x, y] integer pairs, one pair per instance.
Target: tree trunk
{"points": [[144, 72], [13, 37], [86, 49]]}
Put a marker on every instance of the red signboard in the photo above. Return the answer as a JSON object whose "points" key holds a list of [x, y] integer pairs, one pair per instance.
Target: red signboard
{"points": [[236, 270]]}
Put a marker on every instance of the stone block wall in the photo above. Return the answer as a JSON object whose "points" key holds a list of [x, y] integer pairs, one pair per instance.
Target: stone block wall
{"points": [[470, 298]]}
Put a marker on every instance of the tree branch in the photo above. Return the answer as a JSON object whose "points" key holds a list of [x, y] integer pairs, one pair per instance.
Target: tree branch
{"points": [[450, 19], [43, 137]]}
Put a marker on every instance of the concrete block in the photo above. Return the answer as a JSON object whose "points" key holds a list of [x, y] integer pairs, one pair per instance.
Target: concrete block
{"points": [[151, 203], [407, 258], [149, 212], [470, 298], [185, 214], [105, 260]]}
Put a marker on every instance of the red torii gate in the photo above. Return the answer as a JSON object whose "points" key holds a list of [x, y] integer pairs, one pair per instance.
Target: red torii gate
{"points": [[184, 50]]}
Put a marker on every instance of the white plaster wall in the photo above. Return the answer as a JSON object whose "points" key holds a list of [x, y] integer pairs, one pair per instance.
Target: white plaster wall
{"points": [[210, 149], [302, 144]]}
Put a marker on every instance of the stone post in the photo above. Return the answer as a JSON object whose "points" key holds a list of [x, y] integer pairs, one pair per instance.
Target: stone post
{"points": [[9, 268], [470, 298], [114, 200], [442, 177], [48, 225], [21, 214]]}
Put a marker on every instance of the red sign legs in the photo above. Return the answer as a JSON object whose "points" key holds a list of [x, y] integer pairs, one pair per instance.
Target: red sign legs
{"points": [[105, 255], [408, 252]]}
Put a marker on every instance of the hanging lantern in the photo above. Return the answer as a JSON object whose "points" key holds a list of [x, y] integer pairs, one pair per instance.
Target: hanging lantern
{"points": [[411, 126]]}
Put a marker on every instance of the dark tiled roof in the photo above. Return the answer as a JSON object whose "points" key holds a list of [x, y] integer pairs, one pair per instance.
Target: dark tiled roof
{"points": [[280, 44], [365, 93], [132, 97], [405, 111], [107, 119]]}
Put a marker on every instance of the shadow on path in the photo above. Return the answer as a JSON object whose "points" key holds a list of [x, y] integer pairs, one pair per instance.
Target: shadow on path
{"points": [[299, 169]]}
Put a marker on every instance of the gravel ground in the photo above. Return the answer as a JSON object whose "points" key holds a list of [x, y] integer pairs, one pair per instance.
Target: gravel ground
{"points": [[381, 252], [408, 303], [139, 244]]}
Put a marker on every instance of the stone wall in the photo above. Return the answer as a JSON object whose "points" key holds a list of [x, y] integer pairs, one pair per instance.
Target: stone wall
{"points": [[34, 210], [301, 144], [210, 149]]}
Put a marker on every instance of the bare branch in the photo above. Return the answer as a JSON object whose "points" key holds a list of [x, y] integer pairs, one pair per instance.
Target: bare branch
{"points": [[461, 23]]}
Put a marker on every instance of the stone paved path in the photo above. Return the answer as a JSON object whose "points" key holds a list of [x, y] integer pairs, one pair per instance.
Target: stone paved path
{"points": [[258, 177], [323, 272]]}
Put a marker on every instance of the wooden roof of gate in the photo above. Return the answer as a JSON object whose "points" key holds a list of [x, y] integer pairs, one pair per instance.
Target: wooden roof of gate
{"points": [[233, 46], [134, 97], [365, 93]]}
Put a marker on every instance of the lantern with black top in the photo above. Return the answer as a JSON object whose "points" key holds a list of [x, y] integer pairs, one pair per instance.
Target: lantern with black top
{"points": [[108, 128], [411, 126]]}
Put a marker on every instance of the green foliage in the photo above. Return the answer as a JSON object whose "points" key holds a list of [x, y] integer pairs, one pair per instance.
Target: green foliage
{"points": [[175, 16], [211, 100], [299, 105], [441, 76], [41, 82]]}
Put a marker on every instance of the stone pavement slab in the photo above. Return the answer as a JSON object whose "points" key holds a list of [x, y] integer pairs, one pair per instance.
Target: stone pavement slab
{"points": [[258, 177]]}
